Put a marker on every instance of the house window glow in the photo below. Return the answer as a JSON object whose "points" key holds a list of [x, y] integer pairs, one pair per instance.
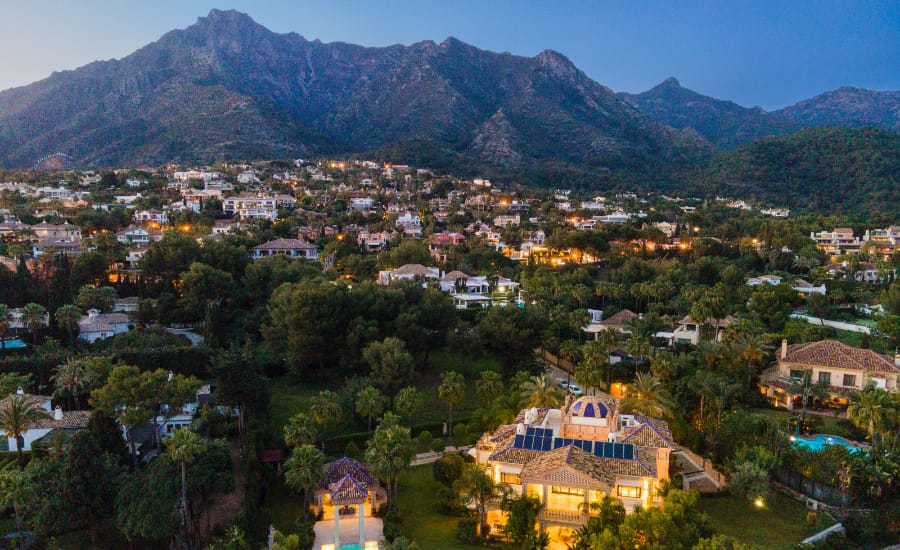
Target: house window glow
{"points": [[511, 479], [571, 491], [629, 492]]}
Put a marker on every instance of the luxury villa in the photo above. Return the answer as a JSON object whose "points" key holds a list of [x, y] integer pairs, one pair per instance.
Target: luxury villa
{"points": [[573, 456]]}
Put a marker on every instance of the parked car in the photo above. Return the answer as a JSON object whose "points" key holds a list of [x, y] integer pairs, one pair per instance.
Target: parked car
{"points": [[575, 390], [563, 382]]}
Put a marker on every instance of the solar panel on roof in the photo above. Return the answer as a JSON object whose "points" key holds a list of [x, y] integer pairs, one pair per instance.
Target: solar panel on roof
{"points": [[618, 451], [529, 441], [548, 442], [519, 441]]}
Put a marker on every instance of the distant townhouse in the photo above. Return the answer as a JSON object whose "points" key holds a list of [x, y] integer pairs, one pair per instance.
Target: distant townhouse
{"points": [[98, 326], [139, 236], [411, 224], [362, 203], [53, 193], [507, 220], [845, 370], [409, 272], [292, 248], [256, 207], [57, 245], [65, 230], [620, 322], [441, 243], [884, 241], [152, 215], [374, 242], [477, 291], [837, 242], [687, 331]]}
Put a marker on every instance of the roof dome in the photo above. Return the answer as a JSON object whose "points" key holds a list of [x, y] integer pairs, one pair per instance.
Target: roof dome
{"points": [[590, 406]]}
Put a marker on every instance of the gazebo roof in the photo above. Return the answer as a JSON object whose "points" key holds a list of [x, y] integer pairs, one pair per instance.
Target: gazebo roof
{"points": [[348, 491], [343, 467]]}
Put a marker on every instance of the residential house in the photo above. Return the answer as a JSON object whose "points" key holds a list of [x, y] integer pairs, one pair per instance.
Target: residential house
{"points": [[37, 431], [292, 248], [63, 231], [476, 291], [620, 321], [440, 243], [98, 326], [409, 272], [58, 245], [687, 330], [362, 203], [374, 242], [135, 255], [410, 224], [139, 236], [885, 241], [507, 220], [837, 242], [844, 369], [571, 457], [152, 215]]}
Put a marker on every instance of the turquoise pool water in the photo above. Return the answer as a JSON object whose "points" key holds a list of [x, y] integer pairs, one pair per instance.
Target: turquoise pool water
{"points": [[817, 443], [15, 344]]}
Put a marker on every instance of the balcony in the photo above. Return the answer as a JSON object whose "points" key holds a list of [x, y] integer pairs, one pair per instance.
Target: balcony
{"points": [[563, 517]]}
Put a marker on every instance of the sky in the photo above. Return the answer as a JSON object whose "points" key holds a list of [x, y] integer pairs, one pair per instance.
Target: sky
{"points": [[765, 52]]}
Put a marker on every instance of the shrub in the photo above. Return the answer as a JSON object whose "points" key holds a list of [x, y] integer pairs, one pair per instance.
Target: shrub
{"points": [[425, 439], [438, 445], [467, 530], [449, 503], [381, 510], [393, 525], [351, 450], [447, 469], [460, 431]]}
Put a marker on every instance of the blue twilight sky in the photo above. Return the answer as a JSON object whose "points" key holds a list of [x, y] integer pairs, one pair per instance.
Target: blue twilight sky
{"points": [[765, 52]]}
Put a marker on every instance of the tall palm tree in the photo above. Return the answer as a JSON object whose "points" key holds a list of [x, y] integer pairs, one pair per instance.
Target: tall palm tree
{"points": [[388, 454], [477, 487], [638, 347], [806, 388], [17, 414], [867, 409], [369, 403], [33, 318], [720, 391], [753, 348], [303, 471], [6, 319], [185, 446], [607, 340], [70, 380], [300, 430], [541, 391], [325, 409], [647, 395], [67, 317], [452, 391]]}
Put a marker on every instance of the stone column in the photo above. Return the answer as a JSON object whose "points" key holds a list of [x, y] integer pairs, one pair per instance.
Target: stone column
{"points": [[337, 527], [362, 526]]}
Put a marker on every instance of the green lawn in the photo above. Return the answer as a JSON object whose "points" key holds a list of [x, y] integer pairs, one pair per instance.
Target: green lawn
{"points": [[781, 523], [289, 398], [421, 522], [283, 507]]}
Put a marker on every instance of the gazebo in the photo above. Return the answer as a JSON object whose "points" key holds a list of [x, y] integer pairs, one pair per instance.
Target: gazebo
{"points": [[347, 487]]}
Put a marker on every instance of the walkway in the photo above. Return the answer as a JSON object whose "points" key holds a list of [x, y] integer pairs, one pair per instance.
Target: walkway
{"points": [[192, 336], [834, 324], [698, 472], [349, 532], [431, 456]]}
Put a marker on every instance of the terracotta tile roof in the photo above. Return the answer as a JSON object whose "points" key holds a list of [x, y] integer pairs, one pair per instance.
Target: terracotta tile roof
{"points": [[511, 455], [348, 491], [454, 275], [832, 354], [342, 467], [414, 269], [70, 419], [570, 465], [651, 432], [285, 244], [620, 319]]}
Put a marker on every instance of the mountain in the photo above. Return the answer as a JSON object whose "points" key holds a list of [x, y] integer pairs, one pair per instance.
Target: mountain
{"points": [[226, 87], [724, 123], [829, 170], [847, 106]]}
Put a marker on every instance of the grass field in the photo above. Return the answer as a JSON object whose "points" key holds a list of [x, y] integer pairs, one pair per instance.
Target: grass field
{"points": [[780, 524], [421, 522]]}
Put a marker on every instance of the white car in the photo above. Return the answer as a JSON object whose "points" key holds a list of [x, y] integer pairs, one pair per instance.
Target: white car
{"points": [[575, 390]]}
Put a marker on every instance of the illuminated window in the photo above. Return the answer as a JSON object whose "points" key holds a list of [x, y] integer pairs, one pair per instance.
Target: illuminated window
{"points": [[512, 479], [571, 491], [629, 492]]}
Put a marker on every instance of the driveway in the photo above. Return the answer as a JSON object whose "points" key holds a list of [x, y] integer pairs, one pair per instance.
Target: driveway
{"points": [[192, 336]]}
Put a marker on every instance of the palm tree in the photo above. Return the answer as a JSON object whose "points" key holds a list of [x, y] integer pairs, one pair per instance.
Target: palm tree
{"points": [[648, 396], [33, 318], [867, 409], [407, 402], [388, 454], [451, 391], [6, 319], [325, 408], [70, 379], [17, 414], [753, 348], [638, 347], [720, 391], [805, 388], [606, 341], [185, 446], [478, 487], [67, 318], [541, 391], [303, 471], [300, 430], [369, 403]]}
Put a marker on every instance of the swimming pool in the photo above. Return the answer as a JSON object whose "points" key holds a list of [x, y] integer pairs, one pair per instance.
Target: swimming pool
{"points": [[15, 344], [819, 442]]}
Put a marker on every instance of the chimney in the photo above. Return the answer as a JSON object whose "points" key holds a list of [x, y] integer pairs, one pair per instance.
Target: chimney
{"points": [[57, 413], [20, 391], [783, 348]]}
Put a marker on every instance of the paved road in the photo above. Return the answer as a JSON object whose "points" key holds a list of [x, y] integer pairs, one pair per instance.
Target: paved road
{"points": [[835, 324], [192, 336]]}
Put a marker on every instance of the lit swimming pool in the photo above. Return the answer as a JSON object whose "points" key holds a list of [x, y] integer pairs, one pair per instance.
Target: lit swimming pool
{"points": [[819, 442], [14, 344]]}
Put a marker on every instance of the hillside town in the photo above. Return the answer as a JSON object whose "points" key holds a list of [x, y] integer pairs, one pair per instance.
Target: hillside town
{"points": [[317, 353]]}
